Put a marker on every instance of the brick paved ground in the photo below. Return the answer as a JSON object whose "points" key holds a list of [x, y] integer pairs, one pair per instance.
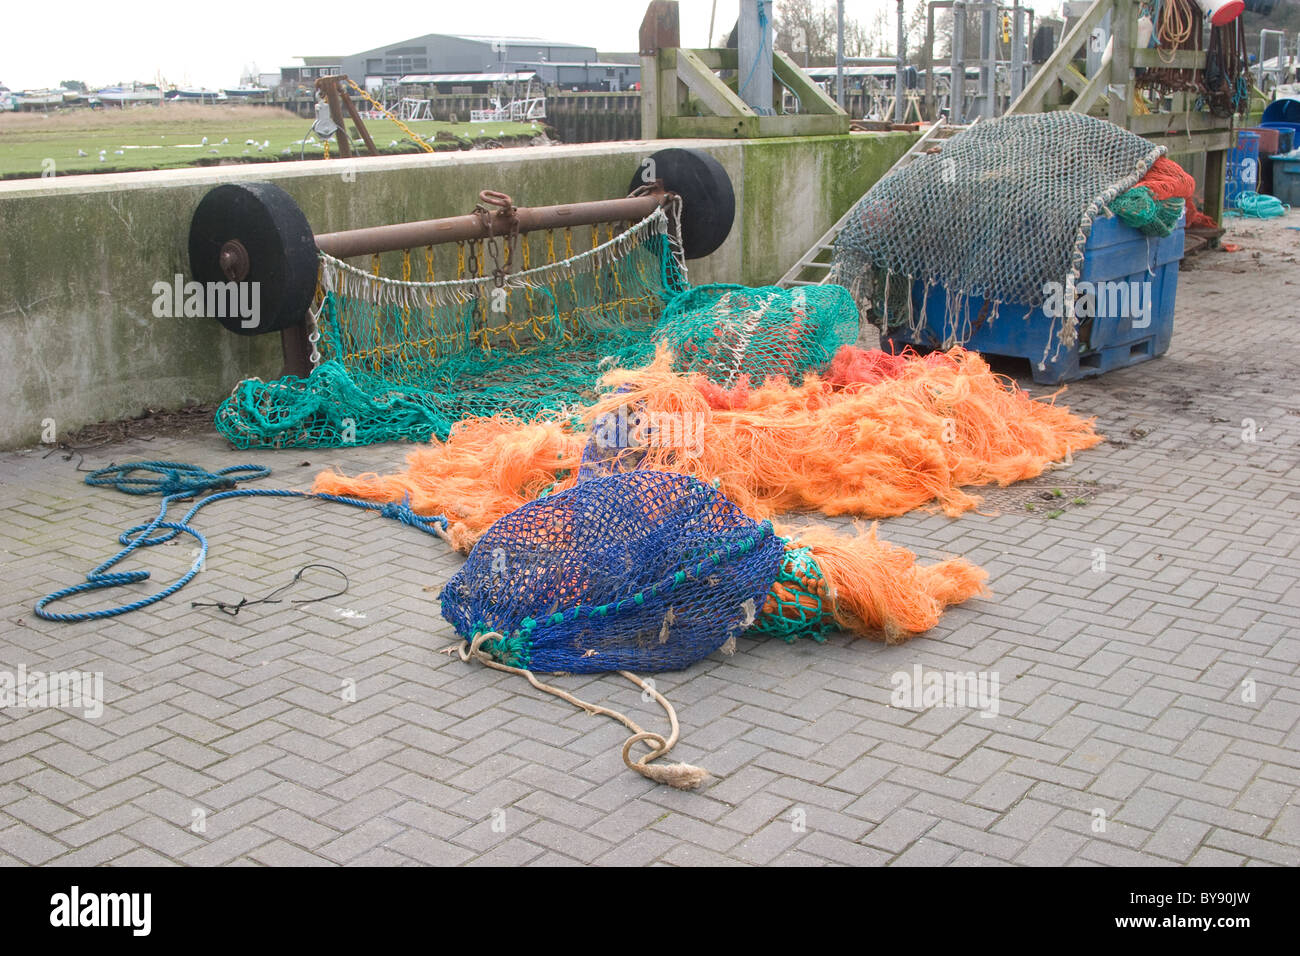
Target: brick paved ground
{"points": [[1124, 690]]}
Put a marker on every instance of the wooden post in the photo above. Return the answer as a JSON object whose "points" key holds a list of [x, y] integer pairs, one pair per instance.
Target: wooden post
{"points": [[660, 29], [336, 114], [356, 120], [1215, 163], [1123, 23]]}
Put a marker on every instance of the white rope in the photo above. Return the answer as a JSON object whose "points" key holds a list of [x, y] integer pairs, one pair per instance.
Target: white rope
{"points": [[356, 283]]}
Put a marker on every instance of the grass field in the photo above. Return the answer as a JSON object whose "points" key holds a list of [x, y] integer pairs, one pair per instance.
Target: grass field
{"points": [[171, 136]]}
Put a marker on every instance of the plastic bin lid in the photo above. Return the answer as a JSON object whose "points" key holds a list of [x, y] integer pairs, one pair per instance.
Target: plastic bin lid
{"points": [[1282, 111]]}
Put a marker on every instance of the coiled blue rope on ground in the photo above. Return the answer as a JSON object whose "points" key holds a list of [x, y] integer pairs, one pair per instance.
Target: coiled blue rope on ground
{"points": [[1258, 206], [176, 481]]}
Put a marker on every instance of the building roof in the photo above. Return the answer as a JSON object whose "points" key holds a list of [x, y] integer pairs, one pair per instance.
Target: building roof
{"points": [[580, 64], [515, 41], [465, 77]]}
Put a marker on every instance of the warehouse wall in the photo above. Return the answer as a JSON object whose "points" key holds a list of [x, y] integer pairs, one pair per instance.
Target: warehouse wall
{"points": [[79, 255]]}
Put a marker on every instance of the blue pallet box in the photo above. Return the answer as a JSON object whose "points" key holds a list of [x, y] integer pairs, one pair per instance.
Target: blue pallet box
{"points": [[1135, 280], [1286, 179]]}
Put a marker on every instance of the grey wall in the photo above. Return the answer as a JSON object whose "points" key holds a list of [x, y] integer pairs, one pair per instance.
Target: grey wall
{"points": [[79, 255]]}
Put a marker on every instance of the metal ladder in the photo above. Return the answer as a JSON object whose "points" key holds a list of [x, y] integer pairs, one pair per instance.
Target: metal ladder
{"points": [[814, 267]]}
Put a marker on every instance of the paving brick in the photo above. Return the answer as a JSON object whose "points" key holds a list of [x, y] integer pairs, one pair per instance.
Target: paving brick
{"points": [[1120, 691], [898, 830]]}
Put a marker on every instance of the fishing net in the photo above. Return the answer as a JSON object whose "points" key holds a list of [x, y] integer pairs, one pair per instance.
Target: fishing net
{"points": [[879, 436], [641, 571], [405, 360], [1003, 209], [1156, 204], [652, 571], [733, 333], [400, 360]]}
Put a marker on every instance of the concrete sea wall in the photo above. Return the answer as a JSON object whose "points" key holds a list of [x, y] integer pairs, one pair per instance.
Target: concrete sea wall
{"points": [[80, 255]]}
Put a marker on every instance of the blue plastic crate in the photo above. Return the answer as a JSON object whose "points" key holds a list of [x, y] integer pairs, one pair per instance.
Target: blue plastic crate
{"points": [[1286, 180], [1115, 253]]}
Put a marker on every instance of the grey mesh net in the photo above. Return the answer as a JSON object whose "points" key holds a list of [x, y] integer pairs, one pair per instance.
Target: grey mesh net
{"points": [[1000, 210]]}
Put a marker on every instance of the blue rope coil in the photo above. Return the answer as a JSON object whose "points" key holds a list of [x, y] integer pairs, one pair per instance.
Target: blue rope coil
{"points": [[177, 481], [1258, 206]]}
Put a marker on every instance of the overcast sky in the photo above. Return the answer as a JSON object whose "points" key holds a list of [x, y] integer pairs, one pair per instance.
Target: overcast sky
{"points": [[210, 44]]}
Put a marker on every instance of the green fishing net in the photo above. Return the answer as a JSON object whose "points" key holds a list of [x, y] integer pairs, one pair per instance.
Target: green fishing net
{"points": [[403, 361]]}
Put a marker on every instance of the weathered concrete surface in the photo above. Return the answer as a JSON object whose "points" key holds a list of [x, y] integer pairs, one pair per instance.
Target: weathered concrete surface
{"points": [[80, 256], [1123, 681]]}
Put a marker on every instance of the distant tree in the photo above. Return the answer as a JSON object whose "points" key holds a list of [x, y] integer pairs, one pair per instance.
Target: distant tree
{"points": [[806, 30], [75, 86]]}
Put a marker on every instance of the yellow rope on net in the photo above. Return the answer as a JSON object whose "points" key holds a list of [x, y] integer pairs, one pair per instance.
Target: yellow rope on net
{"points": [[620, 298], [400, 125], [406, 309], [525, 257]]}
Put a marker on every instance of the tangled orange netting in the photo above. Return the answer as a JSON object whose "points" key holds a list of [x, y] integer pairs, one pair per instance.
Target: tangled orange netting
{"points": [[878, 436], [1167, 180]]}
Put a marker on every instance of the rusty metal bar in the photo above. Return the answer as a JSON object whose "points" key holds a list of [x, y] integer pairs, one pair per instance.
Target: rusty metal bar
{"points": [[410, 235]]}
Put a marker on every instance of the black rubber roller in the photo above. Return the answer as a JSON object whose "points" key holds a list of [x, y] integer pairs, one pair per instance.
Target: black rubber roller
{"points": [[708, 201], [255, 232]]}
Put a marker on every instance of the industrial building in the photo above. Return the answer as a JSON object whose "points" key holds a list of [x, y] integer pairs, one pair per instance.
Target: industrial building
{"points": [[452, 61]]}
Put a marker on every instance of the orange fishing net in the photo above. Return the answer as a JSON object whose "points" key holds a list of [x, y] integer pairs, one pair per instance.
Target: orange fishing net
{"points": [[879, 436], [1167, 180]]}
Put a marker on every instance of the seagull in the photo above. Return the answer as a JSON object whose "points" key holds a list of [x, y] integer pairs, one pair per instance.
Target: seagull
{"points": [[205, 141], [214, 151], [119, 152], [393, 143], [250, 142], [101, 158], [225, 141], [266, 144], [260, 147], [82, 152], [285, 151]]}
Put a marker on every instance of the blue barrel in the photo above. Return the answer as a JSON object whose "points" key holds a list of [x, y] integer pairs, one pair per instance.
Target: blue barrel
{"points": [[1285, 135], [1243, 167], [1283, 113], [1285, 110]]}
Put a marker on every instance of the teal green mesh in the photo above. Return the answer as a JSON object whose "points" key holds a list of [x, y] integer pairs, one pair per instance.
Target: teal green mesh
{"points": [[799, 602], [1140, 209], [404, 361], [733, 334]]}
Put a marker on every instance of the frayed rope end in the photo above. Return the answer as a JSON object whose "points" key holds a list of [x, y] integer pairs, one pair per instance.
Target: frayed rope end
{"points": [[682, 776]]}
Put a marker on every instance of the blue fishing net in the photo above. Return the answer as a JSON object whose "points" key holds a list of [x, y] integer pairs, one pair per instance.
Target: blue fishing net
{"points": [[642, 571]]}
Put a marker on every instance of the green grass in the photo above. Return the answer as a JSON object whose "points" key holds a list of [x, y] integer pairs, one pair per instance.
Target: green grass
{"points": [[171, 136]]}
